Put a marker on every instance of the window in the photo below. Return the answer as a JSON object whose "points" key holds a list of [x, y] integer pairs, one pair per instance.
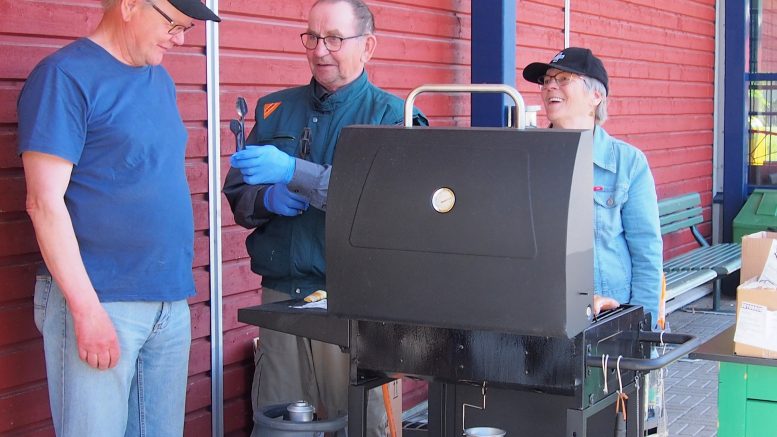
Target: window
{"points": [[762, 93]]}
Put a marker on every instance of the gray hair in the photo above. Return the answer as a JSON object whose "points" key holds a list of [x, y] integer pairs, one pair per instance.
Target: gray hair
{"points": [[596, 86], [107, 4], [362, 13]]}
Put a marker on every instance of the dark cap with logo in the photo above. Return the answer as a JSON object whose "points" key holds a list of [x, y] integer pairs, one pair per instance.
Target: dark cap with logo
{"points": [[573, 59], [195, 9]]}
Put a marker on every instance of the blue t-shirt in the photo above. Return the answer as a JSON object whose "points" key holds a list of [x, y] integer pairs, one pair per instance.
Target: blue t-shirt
{"points": [[128, 197]]}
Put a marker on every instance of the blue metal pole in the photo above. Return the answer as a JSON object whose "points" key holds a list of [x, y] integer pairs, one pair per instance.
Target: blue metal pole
{"points": [[734, 125], [493, 58]]}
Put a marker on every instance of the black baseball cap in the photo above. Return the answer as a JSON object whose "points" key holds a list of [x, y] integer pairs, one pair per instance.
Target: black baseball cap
{"points": [[573, 59], [195, 9]]}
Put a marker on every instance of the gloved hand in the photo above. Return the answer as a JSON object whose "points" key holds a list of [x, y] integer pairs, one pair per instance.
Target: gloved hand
{"points": [[263, 165], [278, 199]]}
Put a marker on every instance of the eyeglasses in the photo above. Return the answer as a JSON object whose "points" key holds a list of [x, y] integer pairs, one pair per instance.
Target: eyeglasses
{"points": [[332, 43], [562, 79], [175, 28]]}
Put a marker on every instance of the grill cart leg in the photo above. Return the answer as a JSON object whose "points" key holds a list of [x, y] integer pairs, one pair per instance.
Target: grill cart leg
{"points": [[357, 404]]}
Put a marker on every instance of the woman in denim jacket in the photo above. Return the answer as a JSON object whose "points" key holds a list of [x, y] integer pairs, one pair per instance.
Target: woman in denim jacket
{"points": [[628, 250]]}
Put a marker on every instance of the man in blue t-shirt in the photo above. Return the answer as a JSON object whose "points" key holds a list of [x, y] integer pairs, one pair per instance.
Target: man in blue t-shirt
{"points": [[103, 146]]}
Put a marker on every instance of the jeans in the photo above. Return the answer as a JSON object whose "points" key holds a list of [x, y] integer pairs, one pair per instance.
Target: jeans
{"points": [[144, 395]]}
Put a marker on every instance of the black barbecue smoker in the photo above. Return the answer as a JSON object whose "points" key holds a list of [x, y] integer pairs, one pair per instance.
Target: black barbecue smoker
{"points": [[463, 256]]}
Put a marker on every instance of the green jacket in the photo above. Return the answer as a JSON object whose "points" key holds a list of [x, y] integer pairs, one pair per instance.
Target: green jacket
{"points": [[289, 251]]}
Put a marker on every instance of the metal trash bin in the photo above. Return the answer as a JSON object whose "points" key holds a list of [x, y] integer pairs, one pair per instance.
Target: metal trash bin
{"points": [[274, 421], [759, 213]]}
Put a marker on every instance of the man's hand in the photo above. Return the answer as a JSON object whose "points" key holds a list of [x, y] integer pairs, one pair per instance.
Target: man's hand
{"points": [[264, 165], [98, 344], [280, 200], [602, 303]]}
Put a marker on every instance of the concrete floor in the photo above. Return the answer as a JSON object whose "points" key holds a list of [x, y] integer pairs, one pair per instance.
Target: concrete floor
{"points": [[691, 386]]}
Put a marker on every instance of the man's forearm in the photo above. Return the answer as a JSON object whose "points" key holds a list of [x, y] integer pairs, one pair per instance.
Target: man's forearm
{"points": [[59, 247]]}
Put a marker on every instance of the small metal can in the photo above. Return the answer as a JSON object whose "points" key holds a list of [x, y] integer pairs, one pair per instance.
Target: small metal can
{"points": [[483, 431], [300, 411]]}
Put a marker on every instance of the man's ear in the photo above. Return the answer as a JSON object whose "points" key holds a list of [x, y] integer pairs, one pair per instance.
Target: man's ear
{"points": [[369, 48], [129, 8]]}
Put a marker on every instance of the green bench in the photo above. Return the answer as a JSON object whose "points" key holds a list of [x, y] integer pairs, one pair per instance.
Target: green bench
{"points": [[699, 266]]}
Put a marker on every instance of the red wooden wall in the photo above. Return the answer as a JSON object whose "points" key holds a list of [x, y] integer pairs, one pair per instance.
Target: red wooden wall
{"points": [[659, 54]]}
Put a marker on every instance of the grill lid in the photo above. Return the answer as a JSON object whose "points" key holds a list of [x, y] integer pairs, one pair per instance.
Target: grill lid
{"points": [[476, 228]]}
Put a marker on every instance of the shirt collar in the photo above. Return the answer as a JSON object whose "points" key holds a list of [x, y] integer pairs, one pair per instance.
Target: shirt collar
{"points": [[342, 93], [319, 91]]}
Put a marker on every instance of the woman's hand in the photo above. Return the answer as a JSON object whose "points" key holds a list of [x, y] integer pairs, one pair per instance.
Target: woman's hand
{"points": [[602, 303]]}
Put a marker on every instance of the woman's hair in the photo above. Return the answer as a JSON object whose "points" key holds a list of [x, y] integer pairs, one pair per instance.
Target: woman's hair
{"points": [[596, 86]]}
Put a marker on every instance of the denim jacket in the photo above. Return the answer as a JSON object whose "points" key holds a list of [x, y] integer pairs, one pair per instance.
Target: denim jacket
{"points": [[628, 250]]}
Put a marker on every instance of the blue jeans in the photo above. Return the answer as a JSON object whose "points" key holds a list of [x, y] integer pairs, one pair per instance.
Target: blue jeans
{"points": [[144, 395]]}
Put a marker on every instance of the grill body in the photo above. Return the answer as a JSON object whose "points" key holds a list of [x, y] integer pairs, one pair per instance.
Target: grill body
{"points": [[484, 291]]}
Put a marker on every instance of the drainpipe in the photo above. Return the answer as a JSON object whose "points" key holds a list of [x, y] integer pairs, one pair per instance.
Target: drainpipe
{"points": [[566, 23], [214, 223], [717, 123]]}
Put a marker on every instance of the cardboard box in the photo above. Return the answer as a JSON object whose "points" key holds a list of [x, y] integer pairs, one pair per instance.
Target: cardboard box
{"points": [[395, 395], [755, 252], [756, 317], [756, 331]]}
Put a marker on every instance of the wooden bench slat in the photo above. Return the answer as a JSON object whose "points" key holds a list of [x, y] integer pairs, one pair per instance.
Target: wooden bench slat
{"points": [[678, 282], [724, 258], [666, 206], [705, 257], [676, 216], [668, 228], [708, 255]]}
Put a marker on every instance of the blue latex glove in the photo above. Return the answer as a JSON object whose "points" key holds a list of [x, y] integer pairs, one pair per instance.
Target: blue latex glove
{"points": [[263, 165], [278, 199]]}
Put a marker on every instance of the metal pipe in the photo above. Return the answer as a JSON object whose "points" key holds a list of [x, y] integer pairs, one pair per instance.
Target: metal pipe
{"points": [[520, 115], [685, 344], [566, 23], [717, 130], [214, 223]]}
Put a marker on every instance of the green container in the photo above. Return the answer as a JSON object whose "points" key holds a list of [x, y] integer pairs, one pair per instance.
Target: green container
{"points": [[758, 214]]}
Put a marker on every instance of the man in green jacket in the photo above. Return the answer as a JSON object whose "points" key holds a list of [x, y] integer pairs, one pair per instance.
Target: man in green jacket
{"points": [[279, 189]]}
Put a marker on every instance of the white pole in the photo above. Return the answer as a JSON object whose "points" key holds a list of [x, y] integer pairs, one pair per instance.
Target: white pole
{"points": [[566, 23], [214, 226]]}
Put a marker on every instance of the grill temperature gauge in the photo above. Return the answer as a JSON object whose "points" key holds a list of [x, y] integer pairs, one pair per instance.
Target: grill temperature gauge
{"points": [[443, 200]]}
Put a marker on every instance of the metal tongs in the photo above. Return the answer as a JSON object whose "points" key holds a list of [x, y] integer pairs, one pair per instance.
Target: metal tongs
{"points": [[238, 127]]}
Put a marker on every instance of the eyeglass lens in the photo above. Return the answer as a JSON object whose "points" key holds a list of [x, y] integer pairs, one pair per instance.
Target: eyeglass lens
{"points": [[562, 79], [332, 43], [175, 29]]}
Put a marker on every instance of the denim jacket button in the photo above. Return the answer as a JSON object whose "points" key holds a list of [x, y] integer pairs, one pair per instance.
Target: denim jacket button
{"points": [[610, 201]]}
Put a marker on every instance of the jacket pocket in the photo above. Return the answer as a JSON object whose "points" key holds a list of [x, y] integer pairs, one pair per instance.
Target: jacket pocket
{"points": [[284, 141], [611, 198]]}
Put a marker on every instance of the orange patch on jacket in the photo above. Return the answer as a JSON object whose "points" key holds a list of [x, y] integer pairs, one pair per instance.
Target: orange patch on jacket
{"points": [[269, 108]]}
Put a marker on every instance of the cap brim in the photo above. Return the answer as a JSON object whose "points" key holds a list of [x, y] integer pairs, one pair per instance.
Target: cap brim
{"points": [[195, 9], [535, 70]]}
